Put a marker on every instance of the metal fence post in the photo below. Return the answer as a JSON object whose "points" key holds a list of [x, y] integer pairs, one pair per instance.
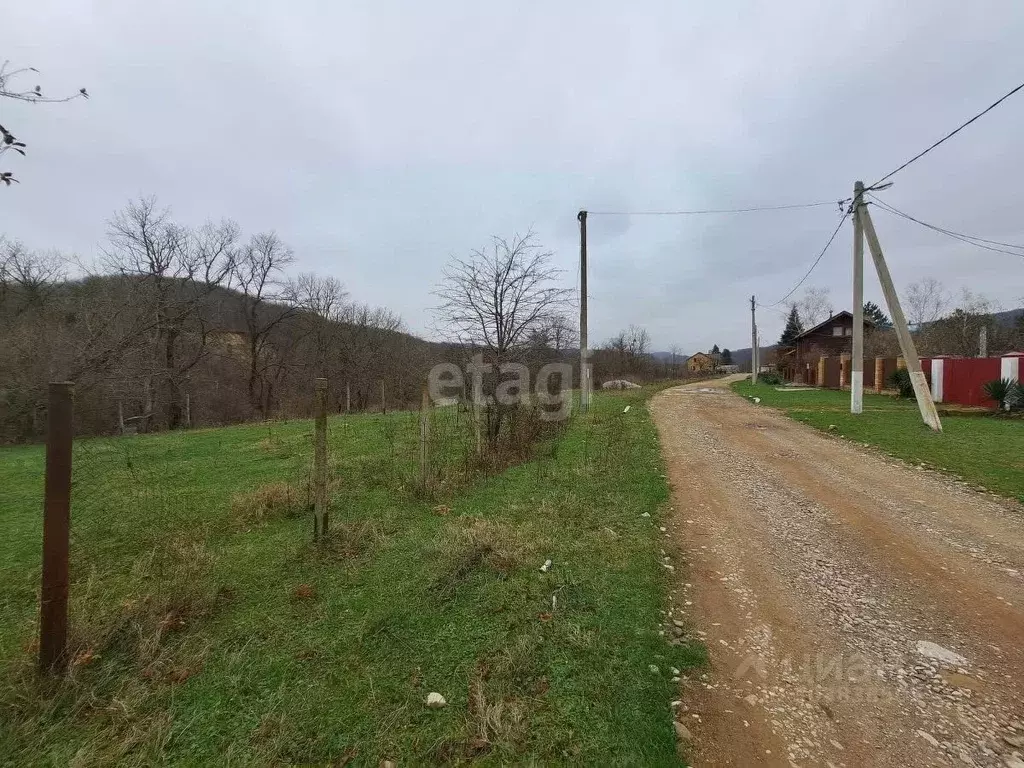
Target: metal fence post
{"points": [[320, 513], [425, 439], [53, 606]]}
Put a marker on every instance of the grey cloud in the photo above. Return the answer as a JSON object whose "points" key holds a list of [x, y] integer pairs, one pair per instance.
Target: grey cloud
{"points": [[380, 139]]}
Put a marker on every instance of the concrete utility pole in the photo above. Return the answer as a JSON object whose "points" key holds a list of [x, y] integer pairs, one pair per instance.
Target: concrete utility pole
{"points": [[584, 351], [899, 321], [983, 342], [754, 362], [857, 360]]}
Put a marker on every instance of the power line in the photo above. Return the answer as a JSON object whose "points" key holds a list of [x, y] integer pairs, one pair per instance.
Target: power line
{"points": [[949, 135], [979, 242], [815, 264], [716, 210]]}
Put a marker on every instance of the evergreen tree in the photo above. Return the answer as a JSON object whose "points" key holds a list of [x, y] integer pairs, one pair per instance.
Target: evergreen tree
{"points": [[793, 328], [874, 313], [726, 357], [715, 350]]}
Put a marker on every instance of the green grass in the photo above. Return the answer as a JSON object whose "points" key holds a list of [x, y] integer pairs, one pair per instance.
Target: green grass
{"points": [[985, 450], [209, 637]]}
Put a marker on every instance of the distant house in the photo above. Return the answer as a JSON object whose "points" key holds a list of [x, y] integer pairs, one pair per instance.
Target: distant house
{"points": [[833, 337], [701, 363]]}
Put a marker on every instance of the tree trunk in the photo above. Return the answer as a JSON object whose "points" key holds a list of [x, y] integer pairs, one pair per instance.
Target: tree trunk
{"points": [[173, 388]]}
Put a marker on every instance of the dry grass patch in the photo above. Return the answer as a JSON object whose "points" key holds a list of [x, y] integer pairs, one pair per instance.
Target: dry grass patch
{"points": [[125, 656], [348, 540], [469, 544], [269, 502]]}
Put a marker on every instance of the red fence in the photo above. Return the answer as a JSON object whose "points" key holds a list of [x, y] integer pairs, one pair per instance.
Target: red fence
{"points": [[962, 379]]}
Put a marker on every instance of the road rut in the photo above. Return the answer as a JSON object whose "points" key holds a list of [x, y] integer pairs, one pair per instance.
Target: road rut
{"points": [[858, 611]]}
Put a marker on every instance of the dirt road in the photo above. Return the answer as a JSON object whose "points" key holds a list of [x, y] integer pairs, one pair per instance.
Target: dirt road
{"points": [[858, 611]]}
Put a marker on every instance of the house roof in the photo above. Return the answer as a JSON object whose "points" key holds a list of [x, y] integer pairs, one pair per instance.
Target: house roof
{"points": [[831, 319]]}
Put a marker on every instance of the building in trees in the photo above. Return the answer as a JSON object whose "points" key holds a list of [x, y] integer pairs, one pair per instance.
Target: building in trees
{"points": [[832, 337]]}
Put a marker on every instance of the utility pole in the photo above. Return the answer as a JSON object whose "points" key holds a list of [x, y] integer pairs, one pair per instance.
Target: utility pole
{"points": [[857, 361], [754, 362], [983, 342], [584, 351], [899, 321]]}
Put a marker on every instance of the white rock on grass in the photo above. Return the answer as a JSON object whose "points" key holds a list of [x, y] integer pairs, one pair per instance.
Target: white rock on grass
{"points": [[934, 651], [546, 567], [436, 700]]}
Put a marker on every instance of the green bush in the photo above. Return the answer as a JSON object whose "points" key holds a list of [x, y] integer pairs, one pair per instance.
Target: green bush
{"points": [[1007, 393], [772, 379], [900, 381]]}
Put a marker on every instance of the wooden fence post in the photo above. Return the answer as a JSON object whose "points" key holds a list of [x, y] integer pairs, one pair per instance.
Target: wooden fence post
{"points": [[188, 411], [425, 439], [383, 402], [879, 374], [320, 513], [348, 397], [53, 605]]}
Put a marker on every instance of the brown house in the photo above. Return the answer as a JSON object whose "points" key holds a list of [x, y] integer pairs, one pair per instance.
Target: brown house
{"points": [[701, 363], [833, 337]]}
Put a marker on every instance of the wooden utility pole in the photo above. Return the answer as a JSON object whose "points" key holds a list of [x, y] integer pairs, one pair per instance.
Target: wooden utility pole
{"points": [[584, 351], [53, 604], [754, 362], [320, 514], [857, 361], [899, 321]]}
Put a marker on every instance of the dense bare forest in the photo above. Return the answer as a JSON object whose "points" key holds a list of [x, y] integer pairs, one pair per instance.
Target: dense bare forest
{"points": [[172, 324]]}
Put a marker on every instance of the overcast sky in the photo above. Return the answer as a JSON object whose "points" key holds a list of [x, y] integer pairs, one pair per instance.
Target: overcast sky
{"points": [[378, 138]]}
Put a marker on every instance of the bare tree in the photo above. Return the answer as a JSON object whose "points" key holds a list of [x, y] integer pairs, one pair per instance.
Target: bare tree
{"points": [[257, 274], [815, 306], [322, 304], [34, 95], [624, 354], [957, 333], [27, 277], [497, 297], [174, 269], [925, 301]]}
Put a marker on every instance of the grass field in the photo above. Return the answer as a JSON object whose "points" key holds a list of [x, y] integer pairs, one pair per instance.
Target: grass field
{"points": [[985, 450], [207, 629]]}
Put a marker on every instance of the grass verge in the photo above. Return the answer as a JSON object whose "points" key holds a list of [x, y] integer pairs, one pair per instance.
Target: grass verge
{"points": [[987, 451], [207, 629]]}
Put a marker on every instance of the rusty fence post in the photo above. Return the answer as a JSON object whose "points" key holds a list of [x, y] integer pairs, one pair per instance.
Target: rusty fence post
{"points": [[320, 513], [53, 605]]}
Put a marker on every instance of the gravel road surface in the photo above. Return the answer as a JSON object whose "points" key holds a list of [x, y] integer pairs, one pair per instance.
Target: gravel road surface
{"points": [[858, 611]]}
